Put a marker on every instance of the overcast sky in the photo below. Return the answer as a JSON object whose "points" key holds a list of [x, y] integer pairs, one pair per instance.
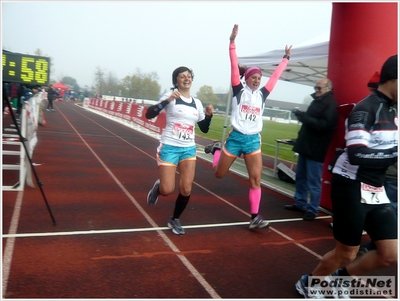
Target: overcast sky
{"points": [[158, 36]]}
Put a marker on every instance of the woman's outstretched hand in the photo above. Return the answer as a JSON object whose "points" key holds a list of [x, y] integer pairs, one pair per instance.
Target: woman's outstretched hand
{"points": [[288, 49], [234, 33]]}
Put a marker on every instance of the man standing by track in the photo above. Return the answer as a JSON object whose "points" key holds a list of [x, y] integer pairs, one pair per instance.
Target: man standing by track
{"points": [[317, 129], [359, 200]]}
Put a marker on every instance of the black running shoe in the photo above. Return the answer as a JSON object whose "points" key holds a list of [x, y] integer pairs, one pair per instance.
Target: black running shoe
{"points": [[211, 148]]}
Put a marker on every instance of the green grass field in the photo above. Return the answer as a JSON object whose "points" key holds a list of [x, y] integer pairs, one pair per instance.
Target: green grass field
{"points": [[271, 131]]}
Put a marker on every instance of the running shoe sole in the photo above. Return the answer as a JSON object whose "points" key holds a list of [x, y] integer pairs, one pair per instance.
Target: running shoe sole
{"points": [[149, 201]]}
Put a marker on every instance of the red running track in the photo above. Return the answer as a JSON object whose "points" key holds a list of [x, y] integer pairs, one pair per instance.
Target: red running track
{"points": [[108, 243]]}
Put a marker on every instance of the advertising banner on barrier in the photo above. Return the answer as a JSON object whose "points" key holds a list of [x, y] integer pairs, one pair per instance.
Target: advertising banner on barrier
{"points": [[32, 120], [129, 111]]}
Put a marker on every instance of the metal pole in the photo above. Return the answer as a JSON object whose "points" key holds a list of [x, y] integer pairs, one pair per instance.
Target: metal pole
{"points": [[228, 106]]}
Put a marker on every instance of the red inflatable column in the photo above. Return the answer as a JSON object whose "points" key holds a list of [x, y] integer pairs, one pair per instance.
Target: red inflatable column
{"points": [[363, 36]]}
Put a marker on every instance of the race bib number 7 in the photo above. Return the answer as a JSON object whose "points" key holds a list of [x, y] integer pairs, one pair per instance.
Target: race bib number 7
{"points": [[183, 132], [373, 195]]}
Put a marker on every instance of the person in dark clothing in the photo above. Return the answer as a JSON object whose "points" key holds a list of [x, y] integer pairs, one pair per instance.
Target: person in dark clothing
{"points": [[318, 126], [50, 99], [6, 92], [390, 183], [14, 94], [24, 94], [359, 199]]}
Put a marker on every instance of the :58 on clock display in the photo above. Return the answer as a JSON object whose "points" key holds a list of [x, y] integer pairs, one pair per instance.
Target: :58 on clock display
{"points": [[25, 68]]}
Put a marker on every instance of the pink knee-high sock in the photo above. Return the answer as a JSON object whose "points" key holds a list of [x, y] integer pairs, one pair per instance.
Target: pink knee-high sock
{"points": [[254, 199], [217, 154]]}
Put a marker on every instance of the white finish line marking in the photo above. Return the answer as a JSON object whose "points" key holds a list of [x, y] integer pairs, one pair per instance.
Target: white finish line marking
{"points": [[92, 232]]}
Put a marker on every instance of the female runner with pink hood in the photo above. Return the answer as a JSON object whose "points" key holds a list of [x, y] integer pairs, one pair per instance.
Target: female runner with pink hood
{"points": [[248, 104]]}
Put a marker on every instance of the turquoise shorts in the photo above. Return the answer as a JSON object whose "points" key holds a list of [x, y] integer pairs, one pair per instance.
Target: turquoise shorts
{"points": [[169, 155], [237, 144]]}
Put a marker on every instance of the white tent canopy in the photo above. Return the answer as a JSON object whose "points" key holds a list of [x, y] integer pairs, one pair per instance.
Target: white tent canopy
{"points": [[307, 64]]}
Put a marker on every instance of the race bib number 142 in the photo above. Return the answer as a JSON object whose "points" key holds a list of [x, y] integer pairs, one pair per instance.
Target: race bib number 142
{"points": [[249, 113]]}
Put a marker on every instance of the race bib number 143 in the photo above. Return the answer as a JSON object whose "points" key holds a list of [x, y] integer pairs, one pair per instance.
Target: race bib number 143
{"points": [[183, 132]]}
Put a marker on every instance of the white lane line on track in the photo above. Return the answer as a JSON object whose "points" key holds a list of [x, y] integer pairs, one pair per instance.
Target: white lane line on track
{"points": [[93, 232], [12, 234], [298, 244], [166, 239], [9, 247], [145, 132]]}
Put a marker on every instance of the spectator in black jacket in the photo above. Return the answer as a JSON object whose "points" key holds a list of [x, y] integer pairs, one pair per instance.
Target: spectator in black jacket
{"points": [[358, 196], [50, 98], [318, 126]]}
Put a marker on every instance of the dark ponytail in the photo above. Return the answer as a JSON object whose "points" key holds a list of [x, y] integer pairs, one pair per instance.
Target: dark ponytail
{"points": [[242, 70]]}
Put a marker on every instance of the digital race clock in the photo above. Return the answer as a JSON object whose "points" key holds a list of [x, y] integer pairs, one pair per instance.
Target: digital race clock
{"points": [[25, 68]]}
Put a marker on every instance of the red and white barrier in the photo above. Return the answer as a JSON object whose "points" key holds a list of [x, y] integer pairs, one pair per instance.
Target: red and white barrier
{"points": [[127, 112]]}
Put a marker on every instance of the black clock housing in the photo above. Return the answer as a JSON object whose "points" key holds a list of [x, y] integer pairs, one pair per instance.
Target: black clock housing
{"points": [[25, 68]]}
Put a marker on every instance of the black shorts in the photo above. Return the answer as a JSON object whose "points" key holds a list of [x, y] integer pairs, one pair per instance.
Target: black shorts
{"points": [[351, 217]]}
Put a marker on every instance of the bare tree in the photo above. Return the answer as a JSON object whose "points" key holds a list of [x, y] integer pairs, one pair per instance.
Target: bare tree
{"points": [[99, 81]]}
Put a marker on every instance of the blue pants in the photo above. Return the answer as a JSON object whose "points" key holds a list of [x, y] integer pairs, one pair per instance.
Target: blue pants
{"points": [[308, 180]]}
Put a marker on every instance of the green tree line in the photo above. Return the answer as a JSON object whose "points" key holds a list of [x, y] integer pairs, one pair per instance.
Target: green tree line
{"points": [[139, 85]]}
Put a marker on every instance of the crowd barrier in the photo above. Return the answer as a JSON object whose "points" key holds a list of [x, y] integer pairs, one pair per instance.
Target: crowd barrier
{"points": [[16, 165], [127, 112]]}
